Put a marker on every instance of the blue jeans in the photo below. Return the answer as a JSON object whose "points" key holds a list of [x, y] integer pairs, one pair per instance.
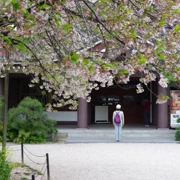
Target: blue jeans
{"points": [[118, 129], [147, 117]]}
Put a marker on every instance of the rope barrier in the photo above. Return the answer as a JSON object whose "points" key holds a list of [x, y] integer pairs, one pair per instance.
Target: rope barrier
{"points": [[32, 153], [44, 173], [23, 152], [33, 160], [43, 167], [41, 170], [14, 150], [10, 145]]}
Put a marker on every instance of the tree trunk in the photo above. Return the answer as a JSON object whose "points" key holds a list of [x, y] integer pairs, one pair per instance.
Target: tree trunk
{"points": [[6, 89]]}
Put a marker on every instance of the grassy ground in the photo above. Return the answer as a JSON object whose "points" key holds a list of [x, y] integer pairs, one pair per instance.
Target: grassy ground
{"points": [[23, 172]]}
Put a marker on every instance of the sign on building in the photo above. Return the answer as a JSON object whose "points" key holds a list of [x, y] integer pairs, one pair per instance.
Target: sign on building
{"points": [[174, 108]]}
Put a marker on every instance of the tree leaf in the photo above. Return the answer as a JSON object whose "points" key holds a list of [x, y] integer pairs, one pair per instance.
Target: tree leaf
{"points": [[25, 11], [7, 2], [107, 66], [21, 47], [75, 57], [124, 71], [25, 40], [177, 28], [15, 4], [161, 56], [86, 61], [142, 59], [45, 6], [8, 41], [67, 27], [176, 11], [92, 69]]}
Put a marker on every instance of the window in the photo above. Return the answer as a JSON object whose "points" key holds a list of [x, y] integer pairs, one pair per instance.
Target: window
{"points": [[101, 100], [113, 100]]}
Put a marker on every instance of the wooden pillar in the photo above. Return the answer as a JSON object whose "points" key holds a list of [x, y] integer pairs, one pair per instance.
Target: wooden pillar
{"points": [[163, 109], [154, 105], [82, 113]]}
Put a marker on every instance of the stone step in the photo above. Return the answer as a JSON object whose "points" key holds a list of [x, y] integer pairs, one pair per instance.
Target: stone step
{"points": [[86, 135], [112, 135], [166, 130], [123, 140]]}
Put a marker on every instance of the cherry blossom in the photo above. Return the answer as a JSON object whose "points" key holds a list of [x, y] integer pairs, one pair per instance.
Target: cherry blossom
{"points": [[72, 47]]}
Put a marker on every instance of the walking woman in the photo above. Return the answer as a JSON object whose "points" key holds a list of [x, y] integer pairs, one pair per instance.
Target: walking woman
{"points": [[118, 122]]}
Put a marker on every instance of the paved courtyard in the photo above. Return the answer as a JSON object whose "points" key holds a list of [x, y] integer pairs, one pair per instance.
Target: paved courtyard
{"points": [[108, 161]]}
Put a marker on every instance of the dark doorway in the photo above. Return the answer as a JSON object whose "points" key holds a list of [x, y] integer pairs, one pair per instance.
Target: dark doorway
{"points": [[126, 96]]}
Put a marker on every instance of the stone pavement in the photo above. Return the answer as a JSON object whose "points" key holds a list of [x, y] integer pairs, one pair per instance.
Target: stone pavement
{"points": [[108, 161], [143, 154]]}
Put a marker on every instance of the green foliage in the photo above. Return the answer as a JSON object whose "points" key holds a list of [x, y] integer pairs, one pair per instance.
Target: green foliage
{"points": [[29, 123], [45, 6], [1, 106], [177, 135], [142, 60], [177, 28], [123, 71], [5, 169], [92, 69], [170, 77], [1, 115], [7, 2], [1, 131], [178, 120], [67, 28], [30, 169], [75, 57]]}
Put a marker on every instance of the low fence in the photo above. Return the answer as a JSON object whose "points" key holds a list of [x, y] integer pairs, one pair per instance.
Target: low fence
{"points": [[44, 167]]}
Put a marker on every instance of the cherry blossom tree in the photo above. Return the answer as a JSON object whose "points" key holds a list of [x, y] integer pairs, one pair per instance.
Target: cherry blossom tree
{"points": [[74, 46]]}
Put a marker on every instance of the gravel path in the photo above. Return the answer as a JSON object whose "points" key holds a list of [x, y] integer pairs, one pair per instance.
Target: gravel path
{"points": [[108, 161]]}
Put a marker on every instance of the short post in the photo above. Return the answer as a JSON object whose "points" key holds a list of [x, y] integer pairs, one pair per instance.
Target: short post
{"points": [[47, 160], [33, 177], [22, 152]]}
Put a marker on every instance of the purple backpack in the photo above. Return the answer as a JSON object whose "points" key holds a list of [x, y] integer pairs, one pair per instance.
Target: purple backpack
{"points": [[117, 118]]}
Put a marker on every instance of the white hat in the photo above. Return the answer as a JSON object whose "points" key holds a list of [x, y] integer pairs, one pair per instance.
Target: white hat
{"points": [[118, 106]]}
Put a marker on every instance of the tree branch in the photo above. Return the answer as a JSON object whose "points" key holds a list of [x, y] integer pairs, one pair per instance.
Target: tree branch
{"points": [[102, 24], [34, 55]]}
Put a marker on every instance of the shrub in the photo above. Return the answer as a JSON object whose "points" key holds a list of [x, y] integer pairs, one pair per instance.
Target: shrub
{"points": [[5, 168], [178, 134], [178, 131], [29, 123], [1, 115], [1, 131]]}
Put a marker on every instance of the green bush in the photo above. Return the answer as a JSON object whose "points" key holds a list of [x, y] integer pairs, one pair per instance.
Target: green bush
{"points": [[178, 134], [178, 131], [29, 123], [1, 115], [1, 131], [5, 169], [1, 106]]}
